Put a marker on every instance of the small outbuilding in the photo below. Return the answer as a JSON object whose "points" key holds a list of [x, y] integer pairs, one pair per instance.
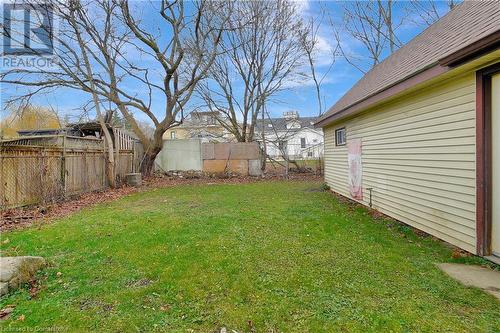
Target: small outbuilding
{"points": [[418, 137]]}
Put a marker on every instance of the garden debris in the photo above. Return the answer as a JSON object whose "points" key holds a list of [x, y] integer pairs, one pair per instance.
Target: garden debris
{"points": [[34, 289], [459, 253], [6, 311], [24, 217]]}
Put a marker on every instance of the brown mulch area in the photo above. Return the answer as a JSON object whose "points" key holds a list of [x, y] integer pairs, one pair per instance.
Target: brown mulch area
{"points": [[19, 218]]}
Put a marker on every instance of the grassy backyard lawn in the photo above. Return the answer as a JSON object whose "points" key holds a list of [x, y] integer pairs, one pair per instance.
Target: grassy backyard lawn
{"points": [[259, 257]]}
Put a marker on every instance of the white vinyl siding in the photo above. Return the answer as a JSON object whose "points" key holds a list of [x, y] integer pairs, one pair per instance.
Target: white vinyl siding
{"points": [[418, 155]]}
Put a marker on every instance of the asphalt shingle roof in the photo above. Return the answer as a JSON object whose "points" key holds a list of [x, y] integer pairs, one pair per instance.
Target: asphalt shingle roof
{"points": [[465, 24], [279, 124]]}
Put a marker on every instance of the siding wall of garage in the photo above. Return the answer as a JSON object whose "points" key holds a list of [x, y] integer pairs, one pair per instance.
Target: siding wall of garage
{"points": [[418, 155]]}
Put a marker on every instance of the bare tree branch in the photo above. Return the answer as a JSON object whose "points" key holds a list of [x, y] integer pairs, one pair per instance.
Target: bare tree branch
{"points": [[111, 32], [261, 50]]}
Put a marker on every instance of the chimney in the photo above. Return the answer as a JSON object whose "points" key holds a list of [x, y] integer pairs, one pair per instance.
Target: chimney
{"points": [[288, 115]]}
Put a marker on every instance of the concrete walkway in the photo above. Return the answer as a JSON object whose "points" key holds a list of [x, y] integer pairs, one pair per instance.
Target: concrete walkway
{"points": [[474, 276]]}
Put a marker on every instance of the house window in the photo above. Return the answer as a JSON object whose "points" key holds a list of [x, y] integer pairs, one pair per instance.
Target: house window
{"points": [[172, 135], [340, 138], [302, 142], [309, 153]]}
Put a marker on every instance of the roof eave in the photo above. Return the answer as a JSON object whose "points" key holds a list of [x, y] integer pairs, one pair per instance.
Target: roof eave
{"points": [[474, 50], [399, 87], [468, 53]]}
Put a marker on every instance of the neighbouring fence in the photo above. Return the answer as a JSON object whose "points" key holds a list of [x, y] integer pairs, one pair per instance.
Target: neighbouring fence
{"points": [[215, 158], [46, 169], [283, 167], [294, 157]]}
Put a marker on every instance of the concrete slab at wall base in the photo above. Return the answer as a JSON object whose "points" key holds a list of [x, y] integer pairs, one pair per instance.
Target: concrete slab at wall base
{"points": [[221, 151], [233, 151], [15, 271], [231, 166], [238, 166], [192, 154], [208, 151], [179, 155], [244, 151], [254, 167], [214, 166], [474, 276]]}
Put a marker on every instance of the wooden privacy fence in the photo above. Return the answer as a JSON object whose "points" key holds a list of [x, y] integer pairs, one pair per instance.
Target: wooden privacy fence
{"points": [[32, 174]]}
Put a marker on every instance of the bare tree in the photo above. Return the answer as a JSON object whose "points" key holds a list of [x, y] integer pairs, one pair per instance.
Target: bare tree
{"points": [[375, 24], [278, 137], [310, 43], [262, 51], [428, 12], [364, 22], [372, 23], [385, 9], [28, 117], [176, 51], [75, 10]]}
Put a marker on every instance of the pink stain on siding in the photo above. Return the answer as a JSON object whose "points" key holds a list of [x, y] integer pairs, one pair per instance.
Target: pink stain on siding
{"points": [[355, 168]]}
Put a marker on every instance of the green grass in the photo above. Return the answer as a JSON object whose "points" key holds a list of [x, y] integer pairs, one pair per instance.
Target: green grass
{"points": [[254, 257]]}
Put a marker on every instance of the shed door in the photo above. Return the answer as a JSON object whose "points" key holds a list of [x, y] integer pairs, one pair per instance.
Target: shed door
{"points": [[495, 120]]}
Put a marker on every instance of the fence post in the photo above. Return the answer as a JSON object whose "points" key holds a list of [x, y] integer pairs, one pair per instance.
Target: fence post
{"points": [[63, 166], [104, 178], [41, 170], [2, 180]]}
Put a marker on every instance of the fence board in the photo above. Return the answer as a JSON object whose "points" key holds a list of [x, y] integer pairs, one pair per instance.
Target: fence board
{"points": [[30, 175]]}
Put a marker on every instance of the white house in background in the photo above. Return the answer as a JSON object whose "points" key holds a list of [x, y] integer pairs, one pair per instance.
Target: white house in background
{"points": [[292, 135]]}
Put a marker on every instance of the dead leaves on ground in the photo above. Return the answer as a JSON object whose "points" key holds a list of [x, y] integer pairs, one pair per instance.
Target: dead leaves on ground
{"points": [[23, 217], [6, 311]]}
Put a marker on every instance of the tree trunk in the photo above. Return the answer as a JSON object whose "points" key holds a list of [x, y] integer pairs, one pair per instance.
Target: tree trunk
{"points": [[264, 148], [110, 158], [388, 20], [147, 164], [108, 144], [148, 161]]}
